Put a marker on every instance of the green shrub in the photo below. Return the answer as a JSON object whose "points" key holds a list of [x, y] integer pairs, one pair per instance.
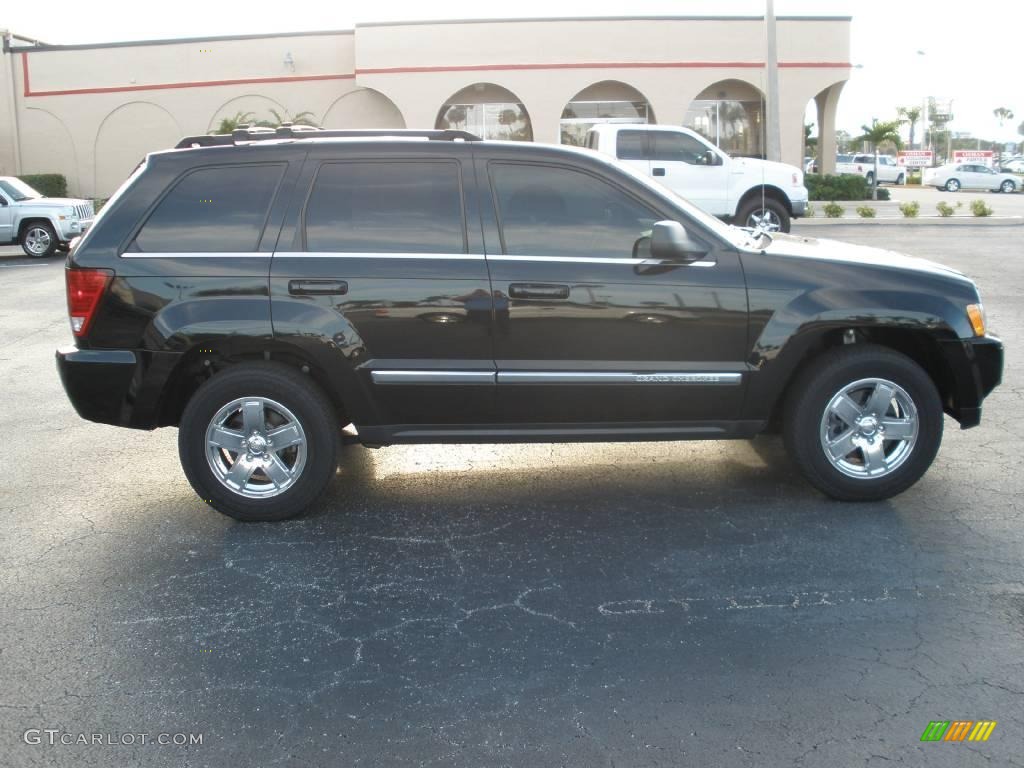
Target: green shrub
{"points": [[811, 211], [911, 209], [833, 210], [47, 184], [845, 187], [865, 211], [945, 209], [979, 208], [98, 203]]}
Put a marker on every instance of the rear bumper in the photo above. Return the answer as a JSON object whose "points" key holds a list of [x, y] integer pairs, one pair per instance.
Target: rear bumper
{"points": [[977, 366], [115, 386]]}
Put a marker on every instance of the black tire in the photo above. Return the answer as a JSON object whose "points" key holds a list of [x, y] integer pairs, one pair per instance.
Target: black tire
{"points": [[36, 233], [1007, 187], [814, 389], [753, 207], [287, 387], [901, 180], [870, 177], [952, 185]]}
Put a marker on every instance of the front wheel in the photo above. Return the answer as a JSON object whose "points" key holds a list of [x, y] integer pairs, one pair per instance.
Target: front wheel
{"points": [[863, 423], [258, 442], [870, 179], [901, 180], [953, 185], [772, 216], [1008, 186], [39, 240]]}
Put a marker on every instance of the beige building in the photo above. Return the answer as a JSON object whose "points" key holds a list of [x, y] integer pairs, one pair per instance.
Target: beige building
{"points": [[92, 112]]}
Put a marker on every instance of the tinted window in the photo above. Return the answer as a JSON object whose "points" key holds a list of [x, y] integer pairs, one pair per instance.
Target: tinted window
{"points": [[629, 145], [561, 212], [678, 147], [386, 207], [215, 210]]}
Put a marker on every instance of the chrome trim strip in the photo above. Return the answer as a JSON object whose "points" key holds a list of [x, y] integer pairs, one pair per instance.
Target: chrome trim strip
{"points": [[578, 377], [335, 255], [597, 260], [433, 377], [175, 255]]}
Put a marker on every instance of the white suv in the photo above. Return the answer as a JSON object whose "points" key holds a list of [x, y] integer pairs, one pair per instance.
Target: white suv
{"points": [[747, 191]]}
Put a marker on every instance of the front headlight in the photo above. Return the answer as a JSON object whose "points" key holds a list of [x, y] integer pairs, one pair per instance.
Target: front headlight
{"points": [[976, 314]]}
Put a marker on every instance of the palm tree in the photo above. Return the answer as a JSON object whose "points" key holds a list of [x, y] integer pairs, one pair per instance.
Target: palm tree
{"points": [[880, 133], [300, 118], [228, 124], [910, 115], [1002, 115]]}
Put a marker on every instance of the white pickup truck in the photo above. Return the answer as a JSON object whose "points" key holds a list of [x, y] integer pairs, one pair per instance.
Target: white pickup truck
{"points": [[889, 172], [41, 225], [746, 191]]}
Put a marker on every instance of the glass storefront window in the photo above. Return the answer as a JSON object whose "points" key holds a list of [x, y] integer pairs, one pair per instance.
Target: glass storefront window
{"points": [[504, 121], [734, 126], [579, 116]]}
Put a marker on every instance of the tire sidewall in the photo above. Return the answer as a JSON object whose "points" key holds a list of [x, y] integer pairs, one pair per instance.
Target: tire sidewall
{"points": [[805, 414], [953, 185], [54, 241], [293, 391], [769, 204], [1007, 187]]}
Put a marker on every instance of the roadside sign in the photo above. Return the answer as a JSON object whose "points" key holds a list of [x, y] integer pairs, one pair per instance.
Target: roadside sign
{"points": [[915, 158], [976, 156]]}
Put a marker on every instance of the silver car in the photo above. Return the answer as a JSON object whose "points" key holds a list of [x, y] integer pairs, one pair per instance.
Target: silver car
{"points": [[956, 176]]}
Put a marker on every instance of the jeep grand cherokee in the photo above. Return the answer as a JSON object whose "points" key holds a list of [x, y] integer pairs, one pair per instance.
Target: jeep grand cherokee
{"points": [[263, 290]]}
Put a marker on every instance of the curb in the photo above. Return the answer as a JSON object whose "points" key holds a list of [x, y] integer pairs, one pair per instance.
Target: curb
{"points": [[920, 221]]}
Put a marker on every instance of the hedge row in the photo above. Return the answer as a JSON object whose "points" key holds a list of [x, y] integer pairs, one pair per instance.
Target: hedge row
{"points": [[47, 184], [844, 187]]}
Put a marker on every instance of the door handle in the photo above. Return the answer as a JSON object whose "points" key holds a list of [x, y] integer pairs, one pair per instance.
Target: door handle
{"points": [[317, 287], [538, 291], [658, 171]]}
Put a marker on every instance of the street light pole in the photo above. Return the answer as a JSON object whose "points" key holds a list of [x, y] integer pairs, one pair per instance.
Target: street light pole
{"points": [[773, 150]]}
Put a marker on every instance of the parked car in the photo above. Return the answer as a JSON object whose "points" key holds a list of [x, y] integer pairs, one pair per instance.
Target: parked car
{"points": [[744, 190], [1014, 165], [953, 177], [261, 291], [40, 225], [889, 171]]}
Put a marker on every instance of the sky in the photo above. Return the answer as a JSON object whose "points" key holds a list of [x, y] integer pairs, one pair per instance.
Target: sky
{"points": [[973, 57]]}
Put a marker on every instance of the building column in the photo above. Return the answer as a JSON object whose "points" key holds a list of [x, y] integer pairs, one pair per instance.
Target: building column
{"points": [[827, 102]]}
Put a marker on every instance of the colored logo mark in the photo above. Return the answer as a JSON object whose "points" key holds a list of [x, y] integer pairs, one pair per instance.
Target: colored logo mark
{"points": [[958, 730]]}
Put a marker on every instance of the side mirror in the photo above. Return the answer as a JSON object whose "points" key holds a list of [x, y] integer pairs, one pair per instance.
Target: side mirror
{"points": [[670, 240], [710, 158], [3, 202]]}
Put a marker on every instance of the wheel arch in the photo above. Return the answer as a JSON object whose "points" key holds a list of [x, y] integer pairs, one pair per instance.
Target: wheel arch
{"points": [[28, 221], [770, 192]]}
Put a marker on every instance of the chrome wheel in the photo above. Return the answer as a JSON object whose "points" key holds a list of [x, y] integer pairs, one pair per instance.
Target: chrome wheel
{"points": [[256, 447], [952, 185], [869, 428], [764, 219], [37, 241], [1008, 186]]}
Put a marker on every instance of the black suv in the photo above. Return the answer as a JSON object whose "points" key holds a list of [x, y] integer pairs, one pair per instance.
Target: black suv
{"points": [[266, 289]]}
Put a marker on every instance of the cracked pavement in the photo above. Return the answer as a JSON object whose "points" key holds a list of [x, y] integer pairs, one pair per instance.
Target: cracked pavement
{"points": [[581, 605]]}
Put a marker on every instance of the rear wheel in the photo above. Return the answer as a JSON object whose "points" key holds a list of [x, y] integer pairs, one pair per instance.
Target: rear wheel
{"points": [[39, 240], [772, 216], [901, 179], [870, 178], [863, 423], [258, 442], [1008, 186]]}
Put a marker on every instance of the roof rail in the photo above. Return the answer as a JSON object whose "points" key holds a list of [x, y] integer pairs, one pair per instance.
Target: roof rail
{"points": [[249, 133]]}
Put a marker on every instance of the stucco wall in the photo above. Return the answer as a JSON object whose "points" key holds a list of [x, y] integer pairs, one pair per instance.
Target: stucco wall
{"points": [[92, 112]]}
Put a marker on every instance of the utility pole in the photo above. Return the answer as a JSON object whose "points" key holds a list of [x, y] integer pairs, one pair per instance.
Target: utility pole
{"points": [[773, 150]]}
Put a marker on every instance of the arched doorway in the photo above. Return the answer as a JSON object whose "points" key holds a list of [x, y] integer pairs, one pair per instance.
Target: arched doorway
{"points": [[730, 113], [489, 111], [363, 108], [609, 101]]}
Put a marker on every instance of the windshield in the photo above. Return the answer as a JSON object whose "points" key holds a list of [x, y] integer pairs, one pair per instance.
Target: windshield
{"points": [[18, 190]]}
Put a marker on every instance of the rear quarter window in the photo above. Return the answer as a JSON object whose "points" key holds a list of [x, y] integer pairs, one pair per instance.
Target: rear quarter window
{"points": [[220, 209], [631, 145]]}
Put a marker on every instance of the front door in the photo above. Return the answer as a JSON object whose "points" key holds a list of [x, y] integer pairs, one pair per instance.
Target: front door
{"points": [[589, 328], [691, 170], [6, 217]]}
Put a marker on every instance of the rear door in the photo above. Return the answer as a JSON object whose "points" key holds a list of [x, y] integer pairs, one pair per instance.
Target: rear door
{"points": [[385, 277], [633, 149]]}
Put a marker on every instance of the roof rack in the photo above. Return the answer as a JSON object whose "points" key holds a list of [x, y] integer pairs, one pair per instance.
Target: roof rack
{"points": [[248, 133]]}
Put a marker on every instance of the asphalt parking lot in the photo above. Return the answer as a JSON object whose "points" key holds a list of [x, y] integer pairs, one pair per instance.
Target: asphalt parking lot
{"points": [[605, 605]]}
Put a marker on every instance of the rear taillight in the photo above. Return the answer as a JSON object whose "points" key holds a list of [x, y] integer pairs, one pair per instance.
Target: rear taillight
{"points": [[85, 289]]}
